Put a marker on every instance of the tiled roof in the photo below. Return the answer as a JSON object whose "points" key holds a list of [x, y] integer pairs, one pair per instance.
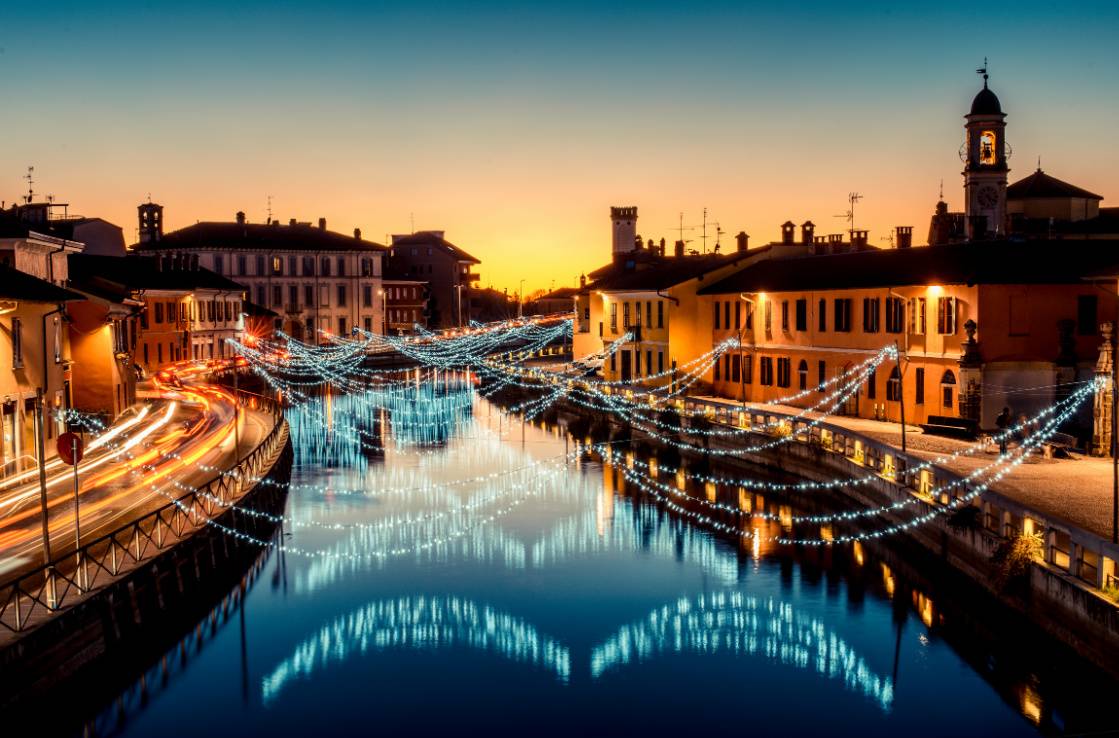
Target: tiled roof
{"points": [[142, 273], [1039, 184], [17, 285], [996, 262], [430, 238], [269, 237], [662, 272]]}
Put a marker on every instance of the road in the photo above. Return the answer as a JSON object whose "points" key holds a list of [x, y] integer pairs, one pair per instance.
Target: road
{"points": [[174, 436]]}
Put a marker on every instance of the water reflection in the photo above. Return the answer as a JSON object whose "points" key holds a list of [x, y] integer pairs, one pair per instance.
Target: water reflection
{"points": [[741, 625], [421, 623]]}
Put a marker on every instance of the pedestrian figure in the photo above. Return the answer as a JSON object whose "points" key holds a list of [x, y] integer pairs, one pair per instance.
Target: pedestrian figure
{"points": [[1003, 423]]}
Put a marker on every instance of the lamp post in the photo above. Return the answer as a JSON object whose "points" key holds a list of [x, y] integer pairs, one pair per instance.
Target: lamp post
{"points": [[742, 361]]}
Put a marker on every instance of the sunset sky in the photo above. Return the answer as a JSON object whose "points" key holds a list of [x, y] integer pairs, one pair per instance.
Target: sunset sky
{"points": [[515, 128]]}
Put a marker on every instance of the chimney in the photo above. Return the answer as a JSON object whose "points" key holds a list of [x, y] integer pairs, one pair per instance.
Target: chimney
{"points": [[663, 244], [322, 224], [240, 217], [807, 232], [742, 240], [787, 231], [291, 222], [679, 249], [858, 240], [357, 233], [835, 243], [820, 244], [904, 238]]}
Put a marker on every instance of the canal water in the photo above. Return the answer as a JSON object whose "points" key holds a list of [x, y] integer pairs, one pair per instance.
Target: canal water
{"points": [[461, 572]]}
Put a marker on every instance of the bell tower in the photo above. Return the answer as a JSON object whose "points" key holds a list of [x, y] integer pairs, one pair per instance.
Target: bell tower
{"points": [[151, 222], [624, 221], [985, 171]]}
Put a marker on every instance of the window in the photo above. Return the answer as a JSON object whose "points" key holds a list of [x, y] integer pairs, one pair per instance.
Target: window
{"points": [[341, 326], [293, 296], [614, 362], [749, 316], [822, 318], [367, 295], [309, 295], [613, 319], [324, 295], [277, 295], [919, 377], [325, 267], [765, 370], [660, 362], [17, 343], [872, 384], [649, 362], [625, 315], [747, 368], [842, 319], [242, 265], [895, 315], [917, 316], [946, 316], [293, 266], [736, 368], [649, 313], [261, 295], [893, 386], [660, 313], [260, 265], [368, 324], [784, 367], [717, 314], [785, 315], [219, 264], [802, 314], [340, 262], [821, 374], [158, 353], [768, 316], [277, 265], [1087, 310], [637, 313], [871, 317], [802, 374], [947, 389], [738, 314], [718, 370], [726, 367], [367, 267], [341, 295], [158, 313], [308, 266]]}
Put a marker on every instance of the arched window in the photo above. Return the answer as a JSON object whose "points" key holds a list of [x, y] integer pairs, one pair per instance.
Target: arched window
{"points": [[948, 389], [893, 386], [802, 374]]}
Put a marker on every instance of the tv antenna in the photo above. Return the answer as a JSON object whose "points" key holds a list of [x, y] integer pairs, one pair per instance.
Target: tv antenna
{"points": [[270, 210], [718, 232], [30, 185], [849, 216], [680, 229]]}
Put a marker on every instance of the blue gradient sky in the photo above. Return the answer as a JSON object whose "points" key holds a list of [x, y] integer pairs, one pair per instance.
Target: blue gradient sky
{"points": [[514, 128]]}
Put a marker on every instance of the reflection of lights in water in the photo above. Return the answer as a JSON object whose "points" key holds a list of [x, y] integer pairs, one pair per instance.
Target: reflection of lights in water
{"points": [[857, 550], [421, 623], [888, 579], [923, 604], [737, 624], [1030, 702]]}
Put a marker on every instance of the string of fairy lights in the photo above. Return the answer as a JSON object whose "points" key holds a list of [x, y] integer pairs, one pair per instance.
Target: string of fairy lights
{"points": [[335, 399]]}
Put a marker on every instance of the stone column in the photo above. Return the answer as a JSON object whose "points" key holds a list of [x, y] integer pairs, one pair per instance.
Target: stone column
{"points": [[971, 375], [1101, 407]]}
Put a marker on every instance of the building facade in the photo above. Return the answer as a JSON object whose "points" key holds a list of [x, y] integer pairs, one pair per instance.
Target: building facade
{"points": [[318, 282], [405, 306], [448, 271]]}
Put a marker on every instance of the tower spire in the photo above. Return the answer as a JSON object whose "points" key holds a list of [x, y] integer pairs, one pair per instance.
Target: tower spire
{"points": [[983, 71]]}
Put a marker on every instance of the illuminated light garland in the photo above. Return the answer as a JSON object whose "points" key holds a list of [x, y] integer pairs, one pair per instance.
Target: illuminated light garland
{"points": [[420, 622], [741, 624], [1024, 452]]}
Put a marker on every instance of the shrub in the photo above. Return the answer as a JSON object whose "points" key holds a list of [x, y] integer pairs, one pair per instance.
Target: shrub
{"points": [[1013, 558]]}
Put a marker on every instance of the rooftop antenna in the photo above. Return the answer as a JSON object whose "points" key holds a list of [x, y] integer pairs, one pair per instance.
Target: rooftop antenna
{"points": [[849, 216], [941, 198], [983, 71], [30, 184], [705, 230], [149, 197], [889, 238], [1039, 162], [681, 228], [269, 210]]}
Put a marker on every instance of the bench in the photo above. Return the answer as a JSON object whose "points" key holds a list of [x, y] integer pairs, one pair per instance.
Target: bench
{"points": [[947, 425]]}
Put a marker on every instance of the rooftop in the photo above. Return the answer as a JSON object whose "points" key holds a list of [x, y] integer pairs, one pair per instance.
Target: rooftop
{"points": [[1041, 185], [111, 274], [432, 238], [995, 262], [662, 272], [17, 285], [263, 236]]}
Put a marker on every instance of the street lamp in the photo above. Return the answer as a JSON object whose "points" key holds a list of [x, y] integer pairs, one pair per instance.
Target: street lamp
{"points": [[742, 360]]}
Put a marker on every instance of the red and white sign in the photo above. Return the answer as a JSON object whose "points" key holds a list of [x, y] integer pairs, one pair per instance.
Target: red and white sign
{"points": [[70, 448]]}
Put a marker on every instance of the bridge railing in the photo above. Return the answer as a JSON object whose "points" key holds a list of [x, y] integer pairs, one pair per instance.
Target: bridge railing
{"points": [[34, 596]]}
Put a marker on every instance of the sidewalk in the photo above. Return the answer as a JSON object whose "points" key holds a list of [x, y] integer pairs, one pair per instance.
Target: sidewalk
{"points": [[1076, 490]]}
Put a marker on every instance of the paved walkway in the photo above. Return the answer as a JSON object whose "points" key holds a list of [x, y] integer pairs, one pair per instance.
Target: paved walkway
{"points": [[1077, 490]]}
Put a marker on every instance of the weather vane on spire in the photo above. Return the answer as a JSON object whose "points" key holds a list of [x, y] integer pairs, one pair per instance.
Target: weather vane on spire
{"points": [[983, 71]]}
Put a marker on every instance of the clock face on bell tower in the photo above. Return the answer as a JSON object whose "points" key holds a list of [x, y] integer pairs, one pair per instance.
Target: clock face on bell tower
{"points": [[985, 170]]}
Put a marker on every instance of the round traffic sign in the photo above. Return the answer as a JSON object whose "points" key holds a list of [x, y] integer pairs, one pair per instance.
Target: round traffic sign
{"points": [[70, 448]]}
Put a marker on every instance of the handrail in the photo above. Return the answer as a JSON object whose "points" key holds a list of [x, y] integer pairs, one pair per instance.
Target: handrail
{"points": [[52, 587]]}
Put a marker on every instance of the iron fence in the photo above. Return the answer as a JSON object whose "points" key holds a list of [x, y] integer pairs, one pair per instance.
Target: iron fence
{"points": [[35, 596]]}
